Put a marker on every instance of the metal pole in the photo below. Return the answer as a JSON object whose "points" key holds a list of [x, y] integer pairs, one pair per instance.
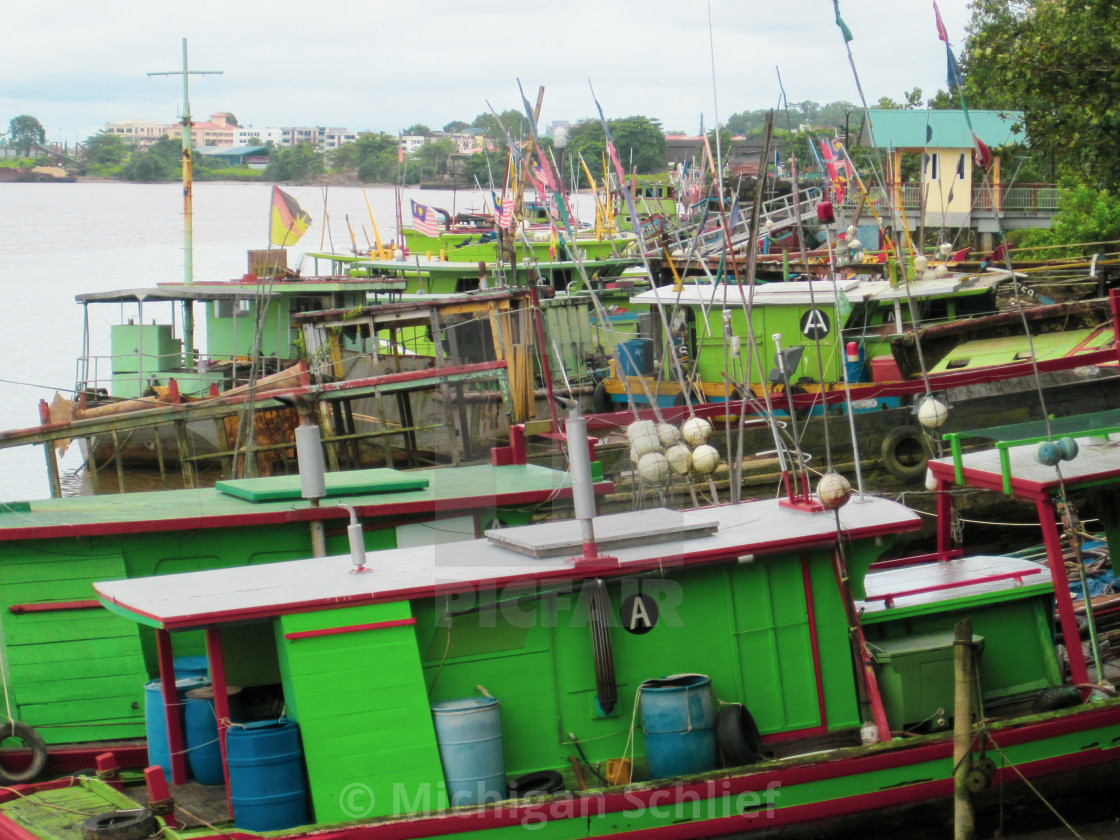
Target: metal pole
{"points": [[964, 823]]}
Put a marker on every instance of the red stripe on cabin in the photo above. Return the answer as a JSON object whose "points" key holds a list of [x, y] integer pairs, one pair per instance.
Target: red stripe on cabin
{"points": [[54, 606], [353, 628]]}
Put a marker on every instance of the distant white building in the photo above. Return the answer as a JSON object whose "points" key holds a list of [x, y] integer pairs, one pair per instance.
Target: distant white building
{"points": [[247, 136], [335, 137], [412, 142], [139, 133]]}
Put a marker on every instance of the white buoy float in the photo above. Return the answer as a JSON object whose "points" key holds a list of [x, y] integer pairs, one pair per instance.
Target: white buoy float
{"points": [[834, 490], [679, 457], [695, 431], [705, 459], [668, 434], [653, 467], [932, 413], [643, 438]]}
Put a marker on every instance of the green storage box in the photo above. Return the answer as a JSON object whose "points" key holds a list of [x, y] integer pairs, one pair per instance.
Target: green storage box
{"points": [[916, 676]]}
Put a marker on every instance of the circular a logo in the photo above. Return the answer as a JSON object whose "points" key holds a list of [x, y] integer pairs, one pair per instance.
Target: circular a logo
{"points": [[638, 613], [815, 324]]}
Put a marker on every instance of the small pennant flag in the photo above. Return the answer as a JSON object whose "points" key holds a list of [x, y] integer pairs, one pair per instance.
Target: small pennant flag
{"points": [[983, 153], [847, 33], [942, 32], [289, 221], [424, 219]]}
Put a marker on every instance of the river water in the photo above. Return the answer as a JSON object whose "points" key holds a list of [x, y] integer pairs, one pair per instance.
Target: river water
{"points": [[61, 240]]}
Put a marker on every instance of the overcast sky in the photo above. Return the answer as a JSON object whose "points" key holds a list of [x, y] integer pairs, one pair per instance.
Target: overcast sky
{"points": [[383, 66]]}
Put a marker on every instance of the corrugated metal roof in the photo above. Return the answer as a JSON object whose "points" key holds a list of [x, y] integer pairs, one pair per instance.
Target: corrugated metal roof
{"points": [[907, 129]]}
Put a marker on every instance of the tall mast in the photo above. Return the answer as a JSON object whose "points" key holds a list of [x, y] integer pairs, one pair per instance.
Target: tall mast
{"points": [[188, 212], [188, 228]]}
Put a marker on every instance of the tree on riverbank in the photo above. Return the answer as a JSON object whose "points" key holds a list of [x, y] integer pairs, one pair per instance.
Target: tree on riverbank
{"points": [[24, 133], [1055, 62]]}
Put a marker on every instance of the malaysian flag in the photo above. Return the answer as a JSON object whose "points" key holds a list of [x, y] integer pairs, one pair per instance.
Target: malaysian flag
{"points": [[505, 213], [424, 219]]}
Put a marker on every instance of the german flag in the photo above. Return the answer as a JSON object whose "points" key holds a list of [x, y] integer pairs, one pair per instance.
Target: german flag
{"points": [[289, 220]]}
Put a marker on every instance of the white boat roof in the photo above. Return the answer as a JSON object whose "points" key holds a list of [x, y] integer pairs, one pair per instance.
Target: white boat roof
{"points": [[892, 590], [810, 292], [1098, 459], [742, 532]]}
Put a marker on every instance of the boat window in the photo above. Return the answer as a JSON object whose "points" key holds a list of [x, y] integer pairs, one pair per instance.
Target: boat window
{"points": [[1024, 356], [958, 363]]}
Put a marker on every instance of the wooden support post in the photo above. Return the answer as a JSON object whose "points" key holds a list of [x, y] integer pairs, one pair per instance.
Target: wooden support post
{"points": [[171, 708], [118, 461], [386, 444], [185, 463], [221, 699], [160, 802], [964, 824], [91, 465], [1052, 539], [404, 405], [49, 453], [944, 521], [159, 456]]}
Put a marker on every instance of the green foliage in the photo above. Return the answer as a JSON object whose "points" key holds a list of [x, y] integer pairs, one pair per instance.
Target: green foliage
{"points": [[456, 126], [24, 132], [1056, 62], [1085, 215], [162, 161], [418, 130], [434, 155], [515, 122], [302, 163], [376, 157], [232, 120], [639, 141], [106, 149]]}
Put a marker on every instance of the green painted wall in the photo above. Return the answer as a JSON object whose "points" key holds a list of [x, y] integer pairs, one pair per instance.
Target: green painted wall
{"points": [[89, 666], [1018, 657], [362, 708], [746, 627]]}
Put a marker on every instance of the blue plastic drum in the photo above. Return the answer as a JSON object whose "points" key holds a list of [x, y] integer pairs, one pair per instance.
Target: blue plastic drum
{"points": [[155, 723], [266, 775], [469, 735], [679, 725]]}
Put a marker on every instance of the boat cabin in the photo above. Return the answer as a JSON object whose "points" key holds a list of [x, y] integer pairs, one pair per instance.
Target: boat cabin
{"points": [[73, 670]]}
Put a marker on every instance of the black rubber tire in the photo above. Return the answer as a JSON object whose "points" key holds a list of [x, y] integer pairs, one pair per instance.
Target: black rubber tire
{"points": [[737, 736], [1056, 697], [33, 741], [120, 825], [541, 783], [904, 441], [600, 399]]}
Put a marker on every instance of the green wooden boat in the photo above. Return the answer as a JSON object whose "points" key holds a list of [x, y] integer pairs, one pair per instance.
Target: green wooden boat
{"points": [[71, 670], [749, 622], [852, 342]]}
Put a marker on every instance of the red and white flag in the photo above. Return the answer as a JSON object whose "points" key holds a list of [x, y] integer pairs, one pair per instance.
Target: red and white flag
{"points": [[424, 219]]}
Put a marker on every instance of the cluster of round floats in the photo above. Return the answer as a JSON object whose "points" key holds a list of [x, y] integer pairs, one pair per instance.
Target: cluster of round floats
{"points": [[661, 450]]}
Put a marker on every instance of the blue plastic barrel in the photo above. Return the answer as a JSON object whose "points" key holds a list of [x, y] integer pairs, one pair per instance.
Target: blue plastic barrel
{"points": [[155, 723], [679, 725], [469, 735], [204, 753], [266, 775], [191, 666], [635, 357]]}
